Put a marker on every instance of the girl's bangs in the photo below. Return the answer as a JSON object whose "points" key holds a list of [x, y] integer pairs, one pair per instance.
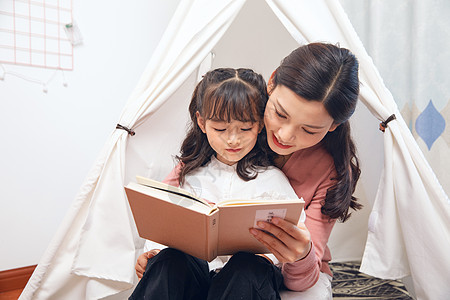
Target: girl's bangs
{"points": [[235, 104]]}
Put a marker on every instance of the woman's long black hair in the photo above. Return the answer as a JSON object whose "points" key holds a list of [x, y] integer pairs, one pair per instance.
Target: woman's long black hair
{"points": [[329, 74], [226, 94]]}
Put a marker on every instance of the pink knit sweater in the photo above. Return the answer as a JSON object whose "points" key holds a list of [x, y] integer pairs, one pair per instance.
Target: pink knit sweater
{"points": [[310, 171]]}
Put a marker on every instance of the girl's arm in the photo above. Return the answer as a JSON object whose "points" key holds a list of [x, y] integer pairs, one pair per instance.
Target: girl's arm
{"points": [[173, 177], [142, 260]]}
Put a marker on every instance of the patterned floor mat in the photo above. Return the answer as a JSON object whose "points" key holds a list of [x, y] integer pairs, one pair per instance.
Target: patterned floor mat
{"points": [[349, 283]]}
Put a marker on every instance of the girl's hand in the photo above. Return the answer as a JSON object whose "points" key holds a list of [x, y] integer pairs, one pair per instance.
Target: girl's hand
{"points": [[288, 242], [142, 260]]}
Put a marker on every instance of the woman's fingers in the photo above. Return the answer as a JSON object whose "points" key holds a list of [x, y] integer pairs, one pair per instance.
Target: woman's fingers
{"points": [[273, 244], [294, 231], [288, 232], [285, 240]]}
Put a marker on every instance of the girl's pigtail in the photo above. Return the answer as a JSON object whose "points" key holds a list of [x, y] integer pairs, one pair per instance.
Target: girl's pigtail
{"points": [[195, 150]]}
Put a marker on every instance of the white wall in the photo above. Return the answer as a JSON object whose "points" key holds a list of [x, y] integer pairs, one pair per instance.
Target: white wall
{"points": [[50, 141]]}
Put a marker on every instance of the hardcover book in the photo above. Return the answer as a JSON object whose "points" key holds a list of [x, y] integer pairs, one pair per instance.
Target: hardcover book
{"points": [[174, 217]]}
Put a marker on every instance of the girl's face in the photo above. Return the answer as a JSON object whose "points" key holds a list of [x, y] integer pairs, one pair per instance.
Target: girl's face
{"points": [[294, 123], [230, 140]]}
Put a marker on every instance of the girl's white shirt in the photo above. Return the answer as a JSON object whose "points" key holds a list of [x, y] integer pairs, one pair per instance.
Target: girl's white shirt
{"points": [[218, 181]]}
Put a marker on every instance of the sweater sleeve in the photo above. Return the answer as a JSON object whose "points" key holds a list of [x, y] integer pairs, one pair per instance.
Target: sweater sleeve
{"points": [[313, 186], [303, 274], [173, 177]]}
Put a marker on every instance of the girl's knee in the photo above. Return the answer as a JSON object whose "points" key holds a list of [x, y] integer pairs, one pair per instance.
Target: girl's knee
{"points": [[169, 258], [171, 253], [246, 258], [173, 258], [244, 262]]}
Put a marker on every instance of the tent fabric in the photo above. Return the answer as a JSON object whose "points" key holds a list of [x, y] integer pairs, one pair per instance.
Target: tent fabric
{"points": [[93, 254]]}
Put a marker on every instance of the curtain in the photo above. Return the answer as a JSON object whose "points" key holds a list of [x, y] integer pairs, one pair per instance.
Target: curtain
{"points": [[409, 42]]}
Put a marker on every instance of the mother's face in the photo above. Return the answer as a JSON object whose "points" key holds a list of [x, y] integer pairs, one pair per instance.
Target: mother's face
{"points": [[294, 123]]}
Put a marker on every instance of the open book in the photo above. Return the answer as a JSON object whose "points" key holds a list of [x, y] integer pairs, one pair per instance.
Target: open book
{"points": [[174, 217]]}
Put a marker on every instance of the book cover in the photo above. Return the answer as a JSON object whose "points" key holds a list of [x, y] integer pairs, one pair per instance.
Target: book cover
{"points": [[174, 217]]}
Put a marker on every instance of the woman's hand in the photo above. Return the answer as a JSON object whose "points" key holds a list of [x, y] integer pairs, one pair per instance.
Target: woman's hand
{"points": [[288, 242], [142, 260]]}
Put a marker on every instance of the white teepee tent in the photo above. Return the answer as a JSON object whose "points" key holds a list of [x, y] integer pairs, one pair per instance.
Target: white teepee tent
{"points": [[93, 254]]}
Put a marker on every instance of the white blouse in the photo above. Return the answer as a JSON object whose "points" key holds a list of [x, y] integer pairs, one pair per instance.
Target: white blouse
{"points": [[218, 181]]}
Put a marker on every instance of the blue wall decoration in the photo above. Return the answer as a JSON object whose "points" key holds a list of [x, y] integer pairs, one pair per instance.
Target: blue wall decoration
{"points": [[430, 124]]}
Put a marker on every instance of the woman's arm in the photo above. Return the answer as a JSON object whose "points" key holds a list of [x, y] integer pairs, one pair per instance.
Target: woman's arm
{"points": [[294, 246], [303, 274], [291, 244], [303, 258]]}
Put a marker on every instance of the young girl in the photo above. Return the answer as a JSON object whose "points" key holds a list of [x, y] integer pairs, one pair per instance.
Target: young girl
{"points": [[224, 156]]}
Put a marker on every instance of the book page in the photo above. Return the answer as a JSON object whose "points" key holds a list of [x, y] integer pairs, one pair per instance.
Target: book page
{"points": [[169, 188], [173, 198], [236, 202], [235, 222]]}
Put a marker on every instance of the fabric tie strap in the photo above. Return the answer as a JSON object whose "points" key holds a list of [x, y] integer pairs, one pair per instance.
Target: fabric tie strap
{"points": [[383, 125], [130, 132]]}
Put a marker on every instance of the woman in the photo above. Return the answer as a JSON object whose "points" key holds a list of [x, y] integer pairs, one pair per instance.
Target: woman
{"points": [[312, 95]]}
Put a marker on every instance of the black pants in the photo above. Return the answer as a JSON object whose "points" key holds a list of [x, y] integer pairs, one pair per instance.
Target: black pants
{"points": [[173, 274]]}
